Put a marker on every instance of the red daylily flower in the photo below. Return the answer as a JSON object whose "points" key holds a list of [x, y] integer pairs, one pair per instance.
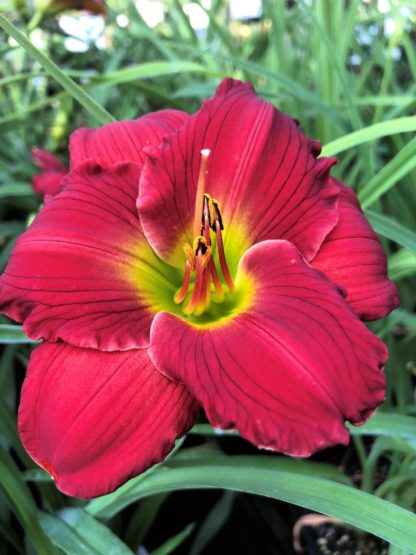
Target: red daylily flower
{"points": [[195, 260], [48, 181]]}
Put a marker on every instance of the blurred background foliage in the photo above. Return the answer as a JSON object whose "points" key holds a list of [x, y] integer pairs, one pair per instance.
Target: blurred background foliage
{"points": [[347, 71]]}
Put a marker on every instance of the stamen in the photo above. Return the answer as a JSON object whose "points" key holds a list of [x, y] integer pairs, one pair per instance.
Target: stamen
{"points": [[199, 257], [204, 298], [202, 177], [223, 262], [216, 281], [183, 291], [200, 244], [217, 214], [196, 293]]}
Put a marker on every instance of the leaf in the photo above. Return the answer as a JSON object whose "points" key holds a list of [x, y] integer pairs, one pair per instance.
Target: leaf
{"points": [[8, 229], [379, 448], [402, 317], [391, 229], [382, 423], [388, 424], [77, 533], [143, 518], [9, 434], [213, 523], [24, 506], [257, 475], [370, 133], [172, 543], [401, 264], [62, 78], [109, 505], [10, 333], [37, 475], [399, 166], [152, 69], [15, 190], [393, 550]]}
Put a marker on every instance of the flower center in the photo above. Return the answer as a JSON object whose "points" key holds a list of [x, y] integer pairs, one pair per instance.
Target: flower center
{"points": [[200, 259]]}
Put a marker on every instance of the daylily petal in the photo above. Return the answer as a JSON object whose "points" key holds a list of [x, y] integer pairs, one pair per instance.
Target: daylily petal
{"points": [[48, 181], [123, 141], [262, 170], [93, 420], [289, 367], [352, 256], [76, 274]]}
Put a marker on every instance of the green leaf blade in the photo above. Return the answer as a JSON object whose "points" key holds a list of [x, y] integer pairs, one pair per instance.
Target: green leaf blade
{"points": [[254, 475], [54, 71], [78, 533]]}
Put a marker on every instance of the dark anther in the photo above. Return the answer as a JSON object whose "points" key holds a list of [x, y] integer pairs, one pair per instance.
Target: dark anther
{"points": [[218, 217], [206, 211], [200, 245]]}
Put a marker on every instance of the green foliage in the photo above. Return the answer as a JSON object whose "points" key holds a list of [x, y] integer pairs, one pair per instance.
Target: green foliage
{"points": [[351, 85]]}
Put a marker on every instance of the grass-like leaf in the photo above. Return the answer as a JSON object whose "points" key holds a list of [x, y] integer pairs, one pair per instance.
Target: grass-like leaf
{"points": [[77, 93], [256, 475], [399, 166], [78, 533], [10, 333], [391, 229], [370, 133]]}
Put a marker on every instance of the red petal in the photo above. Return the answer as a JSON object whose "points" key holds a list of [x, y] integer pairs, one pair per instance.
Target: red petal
{"points": [[123, 141], [47, 161], [262, 170], [352, 256], [48, 181], [289, 369], [93, 420], [75, 274]]}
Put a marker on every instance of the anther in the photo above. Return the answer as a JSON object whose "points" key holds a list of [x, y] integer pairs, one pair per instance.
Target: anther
{"points": [[200, 244], [199, 257], [206, 221], [217, 214], [208, 215], [190, 255]]}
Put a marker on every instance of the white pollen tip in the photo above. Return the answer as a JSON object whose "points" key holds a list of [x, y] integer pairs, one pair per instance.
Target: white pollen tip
{"points": [[205, 152]]}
